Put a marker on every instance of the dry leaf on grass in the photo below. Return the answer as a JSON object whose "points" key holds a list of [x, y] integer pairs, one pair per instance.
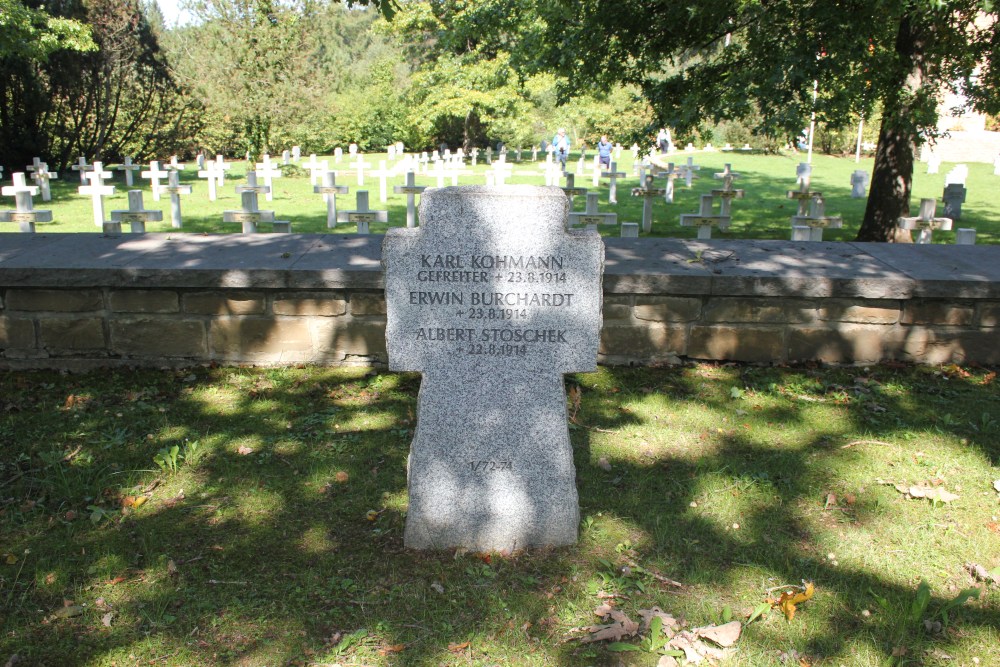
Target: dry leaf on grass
{"points": [[789, 600], [620, 627], [106, 619], [980, 573], [669, 622], [244, 450], [395, 648], [458, 648], [932, 493], [724, 635]]}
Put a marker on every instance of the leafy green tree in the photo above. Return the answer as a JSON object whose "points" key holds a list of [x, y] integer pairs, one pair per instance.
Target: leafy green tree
{"points": [[721, 59], [33, 34]]}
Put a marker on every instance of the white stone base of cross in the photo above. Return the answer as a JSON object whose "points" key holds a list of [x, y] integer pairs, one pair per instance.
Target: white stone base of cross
{"points": [[925, 222], [630, 230], [965, 236]]}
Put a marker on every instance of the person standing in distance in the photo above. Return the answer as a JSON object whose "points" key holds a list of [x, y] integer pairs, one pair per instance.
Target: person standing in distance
{"points": [[560, 145], [604, 148]]}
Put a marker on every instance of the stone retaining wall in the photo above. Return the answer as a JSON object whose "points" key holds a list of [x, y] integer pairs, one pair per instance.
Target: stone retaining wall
{"points": [[79, 301]]}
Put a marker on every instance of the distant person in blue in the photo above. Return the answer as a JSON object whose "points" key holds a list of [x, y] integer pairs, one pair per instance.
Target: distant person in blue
{"points": [[604, 148], [560, 146]]}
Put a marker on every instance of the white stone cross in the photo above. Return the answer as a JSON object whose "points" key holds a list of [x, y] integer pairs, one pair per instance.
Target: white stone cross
{"points": [[220, 164], [136, 216], [97, 190], [175, 190], [933, 164], [383, 173], [128, 168], [959, 174], [671, 174], [704, 219], [82, 167], [174, 164], [614, 175], [810, 227], [859, 183], [502, 170], [329, 189], [269, 171], [647, 192], [296, 153], [803, 195], [411, 190], [803, 174], [41, 176], [154, 175], [727, 175], [250, 215], [211, 173], [338, 153], [362, 215], [359, 166], [687, 170], [925, 222], [24, 212], [286, 156], [316, 168], [571, 190], [591, 217], [200, 160]]}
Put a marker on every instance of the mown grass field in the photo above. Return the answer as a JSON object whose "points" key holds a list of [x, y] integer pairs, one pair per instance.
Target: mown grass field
{"points": [[272, 534], [763, 214]]}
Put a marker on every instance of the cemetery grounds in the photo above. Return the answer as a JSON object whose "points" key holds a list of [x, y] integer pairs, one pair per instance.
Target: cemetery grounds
{"points": [[247, 516], [764, 213]]}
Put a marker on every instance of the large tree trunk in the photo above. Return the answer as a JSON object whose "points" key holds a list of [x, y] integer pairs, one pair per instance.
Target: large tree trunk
{"points": [[892, 176]]}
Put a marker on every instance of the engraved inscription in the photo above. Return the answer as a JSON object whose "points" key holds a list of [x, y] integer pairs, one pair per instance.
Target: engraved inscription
{"points": [[240, 216], [361, 217], [490, 466], [21, 217]]}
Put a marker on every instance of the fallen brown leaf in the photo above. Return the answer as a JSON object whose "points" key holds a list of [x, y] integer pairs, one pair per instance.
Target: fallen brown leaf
{"points": [[243, 450], [790, 599], [724, 635], [395, 648], [458, 648]]}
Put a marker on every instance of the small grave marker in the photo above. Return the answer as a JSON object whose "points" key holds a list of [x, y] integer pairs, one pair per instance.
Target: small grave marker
{"points": [[953, 198], [338, 154], [154, 174], [491, 465], [810, 227], [571, 190], [591, 217], [316, 168], [97, 190], [136, 216], [614, 175], [128, 168], [925, 221], [221, 166], [211, 174], [687, 171], [647, 192], [859, 184], [411, 190], [630, 230], [175, 190], [933, 164], [359, 165], [174, 165], [269, 171], [329, 189], [296, 153], [965, 236], [250, 215], [362, 215], [82, 167], [704, 219], [24, 212], [41, 176]]}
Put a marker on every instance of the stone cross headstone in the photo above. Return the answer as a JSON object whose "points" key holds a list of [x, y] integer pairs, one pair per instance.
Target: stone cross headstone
{"points": [[959, 174], [128, 168], [154, 174], [286, 157], [352, 149], [614, 175], [687, 171], [925, 221], [489, 155], [671, 174], [338, 153], [810, 227], [268, 171], [803, 195], [136, 215], [803, 174], [316, 168], [82, 167], [296, 153], [933, 164], [212, 175], [359, 165], [200, 160], [571, 190], [41, 176], [953, 198], [704, 219], [24, 212], [362, 216], [492, 300], [250, 215], [220, 164], [97, 191], [383, 174], [411, 190], [175, 190], [329, 189], [591, 217], [647, 192], [174, 164], [859, 184]]}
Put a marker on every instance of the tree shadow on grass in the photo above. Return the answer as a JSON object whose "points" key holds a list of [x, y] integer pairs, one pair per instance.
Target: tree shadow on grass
{"points": [[281, 554]]}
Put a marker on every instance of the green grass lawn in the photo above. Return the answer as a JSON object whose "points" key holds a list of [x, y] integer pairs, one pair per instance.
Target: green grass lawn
{"points": [[763, 214], [234, 516]]}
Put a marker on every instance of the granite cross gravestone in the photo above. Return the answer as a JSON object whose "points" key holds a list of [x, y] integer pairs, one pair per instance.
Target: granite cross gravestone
{"points": [[492, 300]]}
